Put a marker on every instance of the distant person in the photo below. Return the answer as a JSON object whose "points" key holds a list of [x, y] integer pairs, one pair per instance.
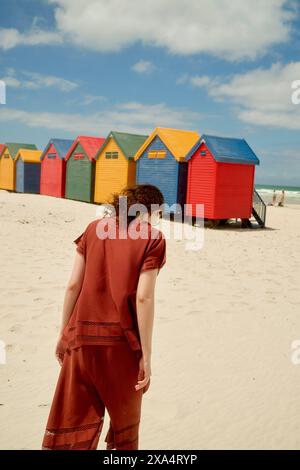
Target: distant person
{"points": [[281, 200], [274, 197]]}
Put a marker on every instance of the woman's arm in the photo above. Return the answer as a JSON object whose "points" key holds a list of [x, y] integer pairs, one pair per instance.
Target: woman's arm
{"points": [[71, 295], [73, 289], [145, 318]]}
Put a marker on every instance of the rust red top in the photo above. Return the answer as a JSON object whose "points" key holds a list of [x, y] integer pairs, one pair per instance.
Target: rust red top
{"points": [[105, 311]]}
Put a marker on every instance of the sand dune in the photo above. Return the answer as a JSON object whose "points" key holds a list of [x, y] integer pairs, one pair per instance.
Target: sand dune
{"points": [[225, 320]]}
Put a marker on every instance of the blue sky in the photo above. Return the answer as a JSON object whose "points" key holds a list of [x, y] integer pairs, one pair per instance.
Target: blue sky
{"points": [[215, 66]]}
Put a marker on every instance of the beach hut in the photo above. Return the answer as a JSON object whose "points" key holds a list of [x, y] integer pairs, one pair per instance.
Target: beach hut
{"points": [[28, 171], [115, 166], [2, 147], [161, 161], [7, 164], [53, 167], [80, 171], [221, 176]]}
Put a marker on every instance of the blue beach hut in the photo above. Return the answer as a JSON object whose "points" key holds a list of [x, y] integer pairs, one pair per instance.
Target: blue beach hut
{"points": [[28, 171], [161, 161]]}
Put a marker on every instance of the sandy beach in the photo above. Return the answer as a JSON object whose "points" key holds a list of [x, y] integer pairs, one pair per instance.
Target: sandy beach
{"points": [[222, 375]]}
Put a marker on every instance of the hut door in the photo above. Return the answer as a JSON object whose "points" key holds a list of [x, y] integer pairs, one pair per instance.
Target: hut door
{"points": [[79, 179], [20, 176]]}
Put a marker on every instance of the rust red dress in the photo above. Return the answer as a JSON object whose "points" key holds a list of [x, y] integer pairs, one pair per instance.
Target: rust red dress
{"points": [[101, 363]]}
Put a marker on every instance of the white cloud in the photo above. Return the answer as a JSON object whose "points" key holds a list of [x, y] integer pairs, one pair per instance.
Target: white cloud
{"points": [[45, 81], [200, 81], [143, 66], [34, 81], [11, 37], [11, 81], [230, 29], [261, 96], [182, 79], [130, 117], [89, 99]]}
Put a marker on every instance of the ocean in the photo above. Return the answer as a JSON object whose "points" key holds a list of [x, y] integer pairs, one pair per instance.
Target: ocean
{"points": [[292, 193]]}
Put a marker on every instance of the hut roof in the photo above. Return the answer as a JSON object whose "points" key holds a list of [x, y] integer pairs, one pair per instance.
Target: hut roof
{"points": [[90, 145], [62, 147], [2, 147], [227, 149], [13, 148], [128, 143], [29, 156], [178, 141]]}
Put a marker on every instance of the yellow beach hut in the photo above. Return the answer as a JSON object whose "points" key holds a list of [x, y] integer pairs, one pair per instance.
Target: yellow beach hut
{"points": [[115, 166], [2, 148], [8, 164]]}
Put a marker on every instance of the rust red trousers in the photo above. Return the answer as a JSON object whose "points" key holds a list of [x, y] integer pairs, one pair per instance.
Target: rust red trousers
{"points": [[92, 379]]}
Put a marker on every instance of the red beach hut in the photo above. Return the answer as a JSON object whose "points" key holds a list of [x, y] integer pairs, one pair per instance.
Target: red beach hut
{"points": [[53, 167], [221, 176]]}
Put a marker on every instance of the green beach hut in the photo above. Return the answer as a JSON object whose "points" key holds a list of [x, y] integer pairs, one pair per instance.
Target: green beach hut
{"points": [[80, 168]]}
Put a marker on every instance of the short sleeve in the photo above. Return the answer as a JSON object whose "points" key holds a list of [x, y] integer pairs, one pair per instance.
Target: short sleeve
{"points": [[81, 244], [155, 256]]}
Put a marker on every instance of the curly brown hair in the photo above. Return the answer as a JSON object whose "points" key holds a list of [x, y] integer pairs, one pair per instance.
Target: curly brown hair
{"points": [[141, 194]]}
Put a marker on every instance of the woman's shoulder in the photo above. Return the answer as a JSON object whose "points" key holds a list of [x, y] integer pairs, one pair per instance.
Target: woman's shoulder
{"points": [[156, 232], [146, 230], [102, 219]]}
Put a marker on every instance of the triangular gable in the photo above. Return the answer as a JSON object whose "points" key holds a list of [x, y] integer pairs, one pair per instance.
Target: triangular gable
{"points": [[13, 148], [178, 141], [227, 150], [128, 143], [61, 146], [29, 156], [90, 145]]}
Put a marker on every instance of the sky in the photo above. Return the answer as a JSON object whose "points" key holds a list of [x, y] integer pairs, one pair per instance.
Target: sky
{"points": [[221, 67]]}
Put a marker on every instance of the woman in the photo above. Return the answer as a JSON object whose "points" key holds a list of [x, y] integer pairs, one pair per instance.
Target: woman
{"points": [[281, 200], [104, 346]]}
